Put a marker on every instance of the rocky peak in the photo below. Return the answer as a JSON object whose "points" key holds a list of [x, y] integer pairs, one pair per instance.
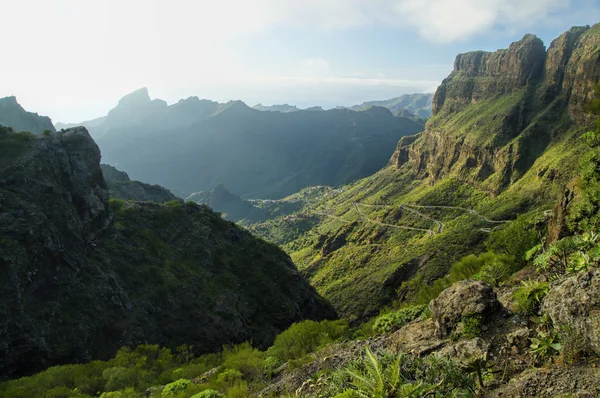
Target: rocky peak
{"points": [[13, 115], [510, 69], [139, 96]]}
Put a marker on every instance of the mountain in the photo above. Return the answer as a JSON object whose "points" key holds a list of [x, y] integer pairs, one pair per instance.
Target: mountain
{"points": [[415, 104], [195, 145], [503, 142], [82, 276], [233, 207], [121, 187], [13, 115], [285, 108]]}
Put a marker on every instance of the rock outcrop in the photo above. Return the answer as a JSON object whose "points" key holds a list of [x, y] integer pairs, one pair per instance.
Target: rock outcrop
{"points": [[497, 112], [13, 115], [79, 278], [575, 304], [122, 187], [463, 299]]}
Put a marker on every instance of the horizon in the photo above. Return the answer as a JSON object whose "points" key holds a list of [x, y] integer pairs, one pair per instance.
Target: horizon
{"points": [[318, 53]]}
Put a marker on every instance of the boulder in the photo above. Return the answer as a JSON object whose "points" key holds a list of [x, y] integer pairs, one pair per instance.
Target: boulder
{"points": [[464, 298], [574, 303], [467, 352]]}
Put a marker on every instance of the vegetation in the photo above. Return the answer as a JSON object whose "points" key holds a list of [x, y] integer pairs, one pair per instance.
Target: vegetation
{"points": [[392, 321], [529, 296]]}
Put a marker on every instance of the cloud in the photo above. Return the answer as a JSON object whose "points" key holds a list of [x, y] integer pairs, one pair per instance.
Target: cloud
{"points": [[69, 56]]}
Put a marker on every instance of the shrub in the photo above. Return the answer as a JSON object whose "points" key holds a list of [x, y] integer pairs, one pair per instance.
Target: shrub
{"points": [[529, 296], [497, 269], [395, 320], [176, 387], [228, 377], [245, 359], [46, 133], [118, 378], [471, 326], [574, 343], [305, 337], [467, 267], [209, 394], [271, 365], [513, 239], [238, 390]]}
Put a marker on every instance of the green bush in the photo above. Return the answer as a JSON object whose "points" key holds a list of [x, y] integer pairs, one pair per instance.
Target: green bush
{"points": [[305, 337], [245, 359], [529, 296], [497, 269], [271, 365], [471, 326], [467, 267], [176, 387], [392, 321], [209, 394], [513, 239]]}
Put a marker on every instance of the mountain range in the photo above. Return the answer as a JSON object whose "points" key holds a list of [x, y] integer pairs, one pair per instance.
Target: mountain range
{"points": [[467, 264], [194, 145]]}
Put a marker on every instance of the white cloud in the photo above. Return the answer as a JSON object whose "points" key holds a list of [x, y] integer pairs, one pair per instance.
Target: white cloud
{"points": [[74, 57]]}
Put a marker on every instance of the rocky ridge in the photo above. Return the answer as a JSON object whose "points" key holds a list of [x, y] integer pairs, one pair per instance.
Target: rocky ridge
{"points": [[13, 115], [497, 112], [122, 187], [82, 277]]}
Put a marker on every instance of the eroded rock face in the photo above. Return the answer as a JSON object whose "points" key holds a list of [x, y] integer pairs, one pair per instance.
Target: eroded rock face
{"points": [[505, 70], [79, 279], [464, 298], [575, 303], [496, 113]]}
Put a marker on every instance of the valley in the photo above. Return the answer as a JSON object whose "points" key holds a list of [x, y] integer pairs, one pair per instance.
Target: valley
{"points": [[215, 250]]}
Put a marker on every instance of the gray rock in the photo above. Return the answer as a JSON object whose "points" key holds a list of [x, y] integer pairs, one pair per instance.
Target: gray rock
{"points": [[462, 299], [467, 352], [575, 303]]}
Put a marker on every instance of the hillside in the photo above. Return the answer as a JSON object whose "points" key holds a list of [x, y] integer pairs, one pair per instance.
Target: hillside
{"points": [[120, 186], [13, 115], [418, 105], [501, 145], [195, 145], [82, 276]]}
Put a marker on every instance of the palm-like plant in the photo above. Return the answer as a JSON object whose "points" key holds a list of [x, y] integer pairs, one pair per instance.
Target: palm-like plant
{"points": [[374, 380]]}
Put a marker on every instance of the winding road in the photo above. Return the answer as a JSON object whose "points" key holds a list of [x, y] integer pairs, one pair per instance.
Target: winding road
{"points": [[410, 208]]}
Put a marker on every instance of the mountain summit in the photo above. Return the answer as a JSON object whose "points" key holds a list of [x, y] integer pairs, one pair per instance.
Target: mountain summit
{"points": [[13, 115]]}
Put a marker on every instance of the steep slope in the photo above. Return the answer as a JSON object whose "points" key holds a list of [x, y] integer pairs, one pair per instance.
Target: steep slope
{"points": [[503, 140], [233, 207], [121, 187], [195, 145], [13, 115], [418, 105], [81, 277]]}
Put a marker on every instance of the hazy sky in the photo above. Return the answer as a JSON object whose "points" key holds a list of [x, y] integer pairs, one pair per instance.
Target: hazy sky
{"points": [[73, 59]]}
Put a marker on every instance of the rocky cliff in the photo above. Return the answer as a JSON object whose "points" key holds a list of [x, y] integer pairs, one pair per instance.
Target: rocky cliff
{"points": [[13, 115], [81, 277], [122, 187], [497, 112]]}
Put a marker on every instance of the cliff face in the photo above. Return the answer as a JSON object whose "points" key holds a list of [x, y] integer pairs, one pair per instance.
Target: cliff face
{"points": [[497, 112], [80, 277], [122, 187], [13, 115]]}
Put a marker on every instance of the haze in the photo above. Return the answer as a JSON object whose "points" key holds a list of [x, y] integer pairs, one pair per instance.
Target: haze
{"points": [[72, 60]]}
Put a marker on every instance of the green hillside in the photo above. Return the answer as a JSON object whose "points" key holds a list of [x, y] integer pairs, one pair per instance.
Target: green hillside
{"points": [[500, 146]]}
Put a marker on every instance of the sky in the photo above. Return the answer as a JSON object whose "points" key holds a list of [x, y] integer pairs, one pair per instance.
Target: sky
{"points": [[73, 60]]}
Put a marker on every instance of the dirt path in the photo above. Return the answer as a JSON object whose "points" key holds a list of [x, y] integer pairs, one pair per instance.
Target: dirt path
{"points": [[409, 208]]}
